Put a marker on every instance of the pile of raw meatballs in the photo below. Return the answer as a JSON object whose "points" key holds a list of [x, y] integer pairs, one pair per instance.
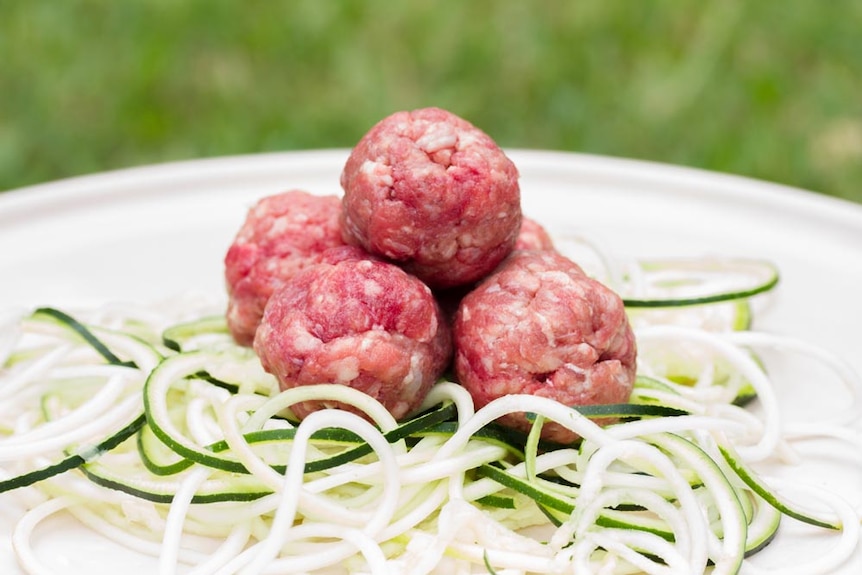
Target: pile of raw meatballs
{"points": [[424, 265]]}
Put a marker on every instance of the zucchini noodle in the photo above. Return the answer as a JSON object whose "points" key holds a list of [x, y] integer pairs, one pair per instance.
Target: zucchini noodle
{"points": [[152, 428]]}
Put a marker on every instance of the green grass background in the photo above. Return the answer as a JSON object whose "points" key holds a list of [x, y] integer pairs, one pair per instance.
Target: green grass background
{"points": [[768, 89]]}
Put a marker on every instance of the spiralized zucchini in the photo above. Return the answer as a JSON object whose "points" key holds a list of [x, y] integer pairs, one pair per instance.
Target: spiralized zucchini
{"points": [[160, 433]]}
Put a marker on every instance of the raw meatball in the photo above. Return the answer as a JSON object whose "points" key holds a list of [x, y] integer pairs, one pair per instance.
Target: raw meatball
{"points": [[281, 235], [433, 193], [358, 322], [540, 326], [533, 236]]}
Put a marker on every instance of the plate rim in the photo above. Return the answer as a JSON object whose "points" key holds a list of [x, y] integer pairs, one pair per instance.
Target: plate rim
{"points": [[697, 181], [701, 183]]}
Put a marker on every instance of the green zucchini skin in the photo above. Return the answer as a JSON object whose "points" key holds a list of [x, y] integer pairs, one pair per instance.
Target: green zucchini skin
{"points": [[198, 357]]}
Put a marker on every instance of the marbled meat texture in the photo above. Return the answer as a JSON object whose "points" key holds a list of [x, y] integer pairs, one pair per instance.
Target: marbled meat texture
{"points": [[433, 193], [533, 236], [540, 326], [358, 322], [281, 235]]}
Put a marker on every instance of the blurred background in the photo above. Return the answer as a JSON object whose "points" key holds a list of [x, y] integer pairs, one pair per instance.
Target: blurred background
{"points": [[771, 90]]}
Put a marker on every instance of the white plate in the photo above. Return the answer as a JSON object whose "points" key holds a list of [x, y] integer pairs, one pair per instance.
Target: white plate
{"points": [[148, 233]]}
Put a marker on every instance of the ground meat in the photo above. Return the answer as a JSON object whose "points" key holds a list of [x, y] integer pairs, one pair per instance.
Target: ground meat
{"points": [[540, 326], [433, 193], [358, 322], [281, 235], [533, 236]]}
